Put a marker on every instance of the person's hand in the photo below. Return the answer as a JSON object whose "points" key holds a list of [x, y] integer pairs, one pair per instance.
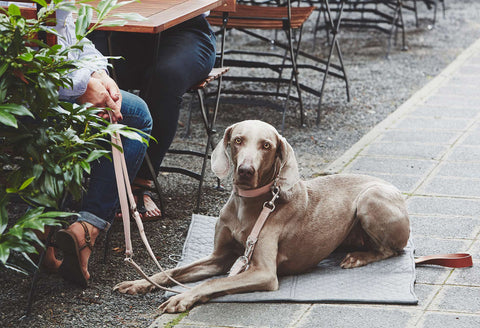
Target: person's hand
{"points": [[102, 91], [110, 85]]}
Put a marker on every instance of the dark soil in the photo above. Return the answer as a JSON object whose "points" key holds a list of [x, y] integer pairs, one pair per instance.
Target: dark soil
{"points": [[378, 86]]}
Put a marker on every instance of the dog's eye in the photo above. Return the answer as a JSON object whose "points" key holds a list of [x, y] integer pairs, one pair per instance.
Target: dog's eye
{"points": [[237, 140], [266, 145]]}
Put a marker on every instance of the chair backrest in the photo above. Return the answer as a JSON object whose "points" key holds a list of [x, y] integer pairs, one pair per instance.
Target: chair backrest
{"points": [[264, 14], [29, 11]]}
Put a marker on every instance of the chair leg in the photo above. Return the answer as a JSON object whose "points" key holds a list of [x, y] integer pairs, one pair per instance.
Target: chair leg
{"points": [[189, 119], [209, 122], [107, 245], [36, 274], [155, 182], [335, 27], [293, 56]]}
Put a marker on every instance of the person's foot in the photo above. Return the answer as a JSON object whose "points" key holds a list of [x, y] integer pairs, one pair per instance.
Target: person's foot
{"points": [[76, 242], [146, 206]]}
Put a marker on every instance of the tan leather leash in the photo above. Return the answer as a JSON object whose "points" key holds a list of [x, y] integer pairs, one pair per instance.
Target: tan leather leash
{"points": [[126, 197], [243, 262], [458, 260]]}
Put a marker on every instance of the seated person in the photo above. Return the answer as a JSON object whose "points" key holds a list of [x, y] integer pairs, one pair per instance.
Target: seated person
{"points": [[101, 200], [185, 56]]}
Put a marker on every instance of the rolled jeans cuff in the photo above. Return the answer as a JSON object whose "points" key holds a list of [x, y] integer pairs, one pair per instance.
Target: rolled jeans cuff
{"points": [[93, 220]]}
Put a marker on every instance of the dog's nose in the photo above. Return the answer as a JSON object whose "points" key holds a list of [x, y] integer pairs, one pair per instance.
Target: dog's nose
{"points": [[245, 171]]}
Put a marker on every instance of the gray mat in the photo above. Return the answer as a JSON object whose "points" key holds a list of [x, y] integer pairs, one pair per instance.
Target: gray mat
{"points": [[388, 281]]}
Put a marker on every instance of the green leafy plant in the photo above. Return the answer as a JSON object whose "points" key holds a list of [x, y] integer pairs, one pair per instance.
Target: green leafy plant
{"points": [[46, 145]]}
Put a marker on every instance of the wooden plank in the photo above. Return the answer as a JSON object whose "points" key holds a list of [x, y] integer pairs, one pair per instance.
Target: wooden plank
{"points": [[161, 14]]}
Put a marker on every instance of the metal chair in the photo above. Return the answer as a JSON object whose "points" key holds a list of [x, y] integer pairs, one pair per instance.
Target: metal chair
{"points": [[429, 4], [275, 16], [385, 16]]}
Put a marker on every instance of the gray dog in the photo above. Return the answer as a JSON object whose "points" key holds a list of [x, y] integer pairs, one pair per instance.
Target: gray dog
{"points": [[308, 221]]}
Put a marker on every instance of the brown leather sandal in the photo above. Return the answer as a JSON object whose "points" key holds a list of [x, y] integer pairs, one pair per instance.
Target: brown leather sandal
{"points": [[71, 268]]}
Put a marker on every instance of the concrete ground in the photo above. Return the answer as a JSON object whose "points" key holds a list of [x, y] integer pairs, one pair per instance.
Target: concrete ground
{"points": [[429, 148]]}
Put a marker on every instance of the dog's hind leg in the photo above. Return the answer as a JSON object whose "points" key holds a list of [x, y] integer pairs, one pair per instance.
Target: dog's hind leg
{"points": [[382, 215]]}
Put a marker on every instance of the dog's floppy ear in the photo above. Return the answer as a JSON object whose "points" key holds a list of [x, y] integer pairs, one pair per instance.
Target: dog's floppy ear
{"points": [[221, 161], [288, 175]]}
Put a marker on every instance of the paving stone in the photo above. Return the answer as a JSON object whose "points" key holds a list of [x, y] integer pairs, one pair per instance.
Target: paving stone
{"points": [[475, 250], [472, 139], [446, 227], [445, 112], [466, 276], [323, 315], [434, 319], [431, 274], [420, 136], [425, 294], [452, 187], [444, 124], [246, 314], [458, 299], [465, 80], [391, 165], [469, 69], [459, 170], [406, 149], [443, 206], [431, 246], [453, 102], [468, 112], [464, 154], [459, 90]]}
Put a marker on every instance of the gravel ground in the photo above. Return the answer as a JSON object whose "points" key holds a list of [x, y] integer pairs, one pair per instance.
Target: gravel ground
{"points": [[378, 86]]}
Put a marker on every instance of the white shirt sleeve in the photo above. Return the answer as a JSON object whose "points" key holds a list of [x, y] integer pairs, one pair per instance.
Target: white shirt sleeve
{"points": [[66, 28]]}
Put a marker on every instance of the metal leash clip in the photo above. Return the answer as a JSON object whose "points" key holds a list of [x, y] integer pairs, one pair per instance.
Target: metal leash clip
{"points": [[240, 265], [271, 204]]}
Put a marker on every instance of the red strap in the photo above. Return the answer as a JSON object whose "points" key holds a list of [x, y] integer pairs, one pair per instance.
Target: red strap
{"points": [[459, 260]]}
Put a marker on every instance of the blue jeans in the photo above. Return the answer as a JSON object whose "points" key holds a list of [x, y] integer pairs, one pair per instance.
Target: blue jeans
{"points": [[186, 55], [101, 200]]}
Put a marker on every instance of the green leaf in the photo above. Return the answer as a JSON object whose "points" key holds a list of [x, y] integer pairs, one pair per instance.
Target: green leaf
{"points": [[3, 68], [43, 200], [118, 22], [16, 109], [42, 3], [28, 56], [4, 252], [8, 119], [26, 183], [86, 166], [96, 154], [85, 15], [130, 16], [103, 7], [3, 214], [57, 214], [13, 10]]}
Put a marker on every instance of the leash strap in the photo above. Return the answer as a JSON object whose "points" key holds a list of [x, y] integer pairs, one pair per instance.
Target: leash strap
{"points": [[243, 262], [126, 197], [458, 260]]}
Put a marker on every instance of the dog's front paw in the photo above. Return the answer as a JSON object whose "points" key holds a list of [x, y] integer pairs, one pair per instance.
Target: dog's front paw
{"points": [[134, 287], [178, 303]]}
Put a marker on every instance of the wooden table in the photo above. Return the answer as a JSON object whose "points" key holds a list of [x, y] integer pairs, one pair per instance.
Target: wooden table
{"points": [[162, 14]]}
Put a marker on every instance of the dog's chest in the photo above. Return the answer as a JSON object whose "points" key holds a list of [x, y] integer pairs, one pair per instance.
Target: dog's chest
{"points": [[241, 228]]}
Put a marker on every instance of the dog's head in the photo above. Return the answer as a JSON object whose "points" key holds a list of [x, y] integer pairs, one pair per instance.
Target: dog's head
{"points": [[257, 153]]}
